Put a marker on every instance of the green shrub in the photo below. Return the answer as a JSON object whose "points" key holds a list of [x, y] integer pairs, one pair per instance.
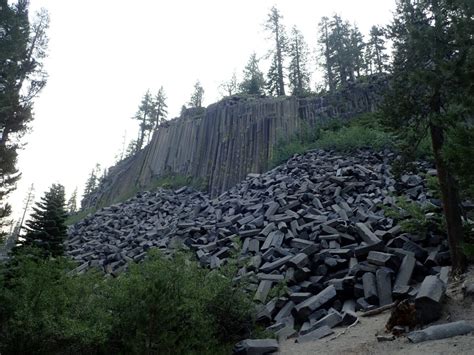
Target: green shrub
{"points": [[350, 138], [174, 306], [163, 305], [361, 132], [46, 311], [415, 218]]}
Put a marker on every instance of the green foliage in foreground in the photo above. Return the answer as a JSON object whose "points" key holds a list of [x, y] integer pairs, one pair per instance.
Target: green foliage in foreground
{"points": [[160, 306]]}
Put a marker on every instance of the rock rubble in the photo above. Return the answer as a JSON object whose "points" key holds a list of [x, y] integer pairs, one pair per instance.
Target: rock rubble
{"points": [[316, 223]]}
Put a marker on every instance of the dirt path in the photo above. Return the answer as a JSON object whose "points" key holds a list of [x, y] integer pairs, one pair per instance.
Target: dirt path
{"points": [[361, 339]]}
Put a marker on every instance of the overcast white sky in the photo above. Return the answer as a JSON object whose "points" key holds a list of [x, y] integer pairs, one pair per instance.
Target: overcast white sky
{"points": [[104, 54]]}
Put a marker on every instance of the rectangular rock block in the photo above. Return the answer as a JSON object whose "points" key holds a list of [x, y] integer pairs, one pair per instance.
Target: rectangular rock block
{"points": [[428, 301], [315, 335], [263, 290], [370, 288], [405, 271], [366, 234], [383, 259], [384, 286], [304, 309]]}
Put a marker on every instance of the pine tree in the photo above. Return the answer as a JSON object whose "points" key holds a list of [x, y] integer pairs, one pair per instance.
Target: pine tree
{"points": [[276, 77], [72, 203], [144, 115], [326, 57], [46, 228], [197, 96], [298, 72], [376, 57], [159, 110], [22, 51], [253, 82], [340, 45], [131, 148], [356, 51], [432, 90], [91, 185], [229, 88]]}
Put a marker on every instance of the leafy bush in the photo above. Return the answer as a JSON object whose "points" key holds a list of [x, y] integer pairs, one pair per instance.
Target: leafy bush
{"points": [[353, 137], [46, 311], [163, 305], [174, 306], [361, 132], [414, 217]]}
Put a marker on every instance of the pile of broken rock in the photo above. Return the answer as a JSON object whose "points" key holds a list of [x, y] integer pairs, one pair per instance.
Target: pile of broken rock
{"points": [[316, 224]]}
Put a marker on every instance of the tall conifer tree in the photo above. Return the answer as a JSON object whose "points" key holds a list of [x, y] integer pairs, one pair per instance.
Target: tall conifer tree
{"points": [[253, 82], [46, 228], [276, 76], [298, 71], [432, 89], [23, 48]]}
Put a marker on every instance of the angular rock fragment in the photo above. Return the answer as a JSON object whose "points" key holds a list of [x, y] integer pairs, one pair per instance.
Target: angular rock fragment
{"points": [[370, 288], [441, 331], [263, 290], [405, 271], [315, 335], [428, 301], [256, 347], [305, 308], [366, 234], [383, 259], [268, 267], [384, 286]]}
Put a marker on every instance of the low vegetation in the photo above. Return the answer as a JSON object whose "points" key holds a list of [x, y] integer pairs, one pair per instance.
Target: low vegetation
{"points": [[346, 136], [161, 306]]}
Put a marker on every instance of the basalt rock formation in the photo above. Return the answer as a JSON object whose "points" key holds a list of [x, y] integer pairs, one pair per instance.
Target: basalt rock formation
{"points": [[219, 145]]}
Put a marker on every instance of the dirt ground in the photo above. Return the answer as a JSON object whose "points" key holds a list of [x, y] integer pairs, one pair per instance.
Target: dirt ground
{"points": [[361, 338]]}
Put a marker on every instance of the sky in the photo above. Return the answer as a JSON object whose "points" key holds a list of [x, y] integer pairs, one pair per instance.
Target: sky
{"points": [[105, 54]]}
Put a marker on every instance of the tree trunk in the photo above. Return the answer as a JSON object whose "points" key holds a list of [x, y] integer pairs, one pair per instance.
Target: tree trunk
{"points": [[451, 203], [281, 83]]}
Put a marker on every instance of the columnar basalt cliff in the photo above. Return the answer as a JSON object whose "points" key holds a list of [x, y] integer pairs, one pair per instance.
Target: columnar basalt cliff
{"points": [[219, 145]]}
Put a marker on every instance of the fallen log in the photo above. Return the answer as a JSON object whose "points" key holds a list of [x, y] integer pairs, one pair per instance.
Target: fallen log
{"points": [[379, 310]]}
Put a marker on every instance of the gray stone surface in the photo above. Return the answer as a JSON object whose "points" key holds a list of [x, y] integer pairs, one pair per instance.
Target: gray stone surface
{"points": [[284, 226], [256, 347], [304, 309], [315, 335], [428, 301], [370, 288], [384, 286], [405, 271], [441, 331]]}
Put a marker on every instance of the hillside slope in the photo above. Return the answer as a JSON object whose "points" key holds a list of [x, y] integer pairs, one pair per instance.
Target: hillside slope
{"points": [[317, 223]]}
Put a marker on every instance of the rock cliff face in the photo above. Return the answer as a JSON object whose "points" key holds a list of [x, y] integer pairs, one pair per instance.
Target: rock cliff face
{"points": [[221, 144]]}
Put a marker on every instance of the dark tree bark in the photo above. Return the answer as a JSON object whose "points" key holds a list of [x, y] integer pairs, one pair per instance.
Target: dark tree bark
{"points": [[451, 202]]}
